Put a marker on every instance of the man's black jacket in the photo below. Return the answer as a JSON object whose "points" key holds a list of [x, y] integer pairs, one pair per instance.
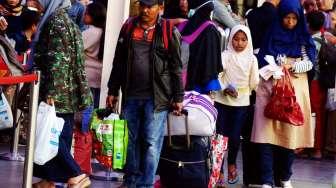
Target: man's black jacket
{"points": [[167, 66]]}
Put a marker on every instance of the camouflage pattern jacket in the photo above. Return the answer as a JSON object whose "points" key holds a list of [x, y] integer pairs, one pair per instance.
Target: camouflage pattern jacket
{"points": [[59, 54]]}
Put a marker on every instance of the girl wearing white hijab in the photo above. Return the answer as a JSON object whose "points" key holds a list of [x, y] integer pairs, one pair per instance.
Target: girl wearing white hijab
{"points": [[240, 76], [58, 52]]}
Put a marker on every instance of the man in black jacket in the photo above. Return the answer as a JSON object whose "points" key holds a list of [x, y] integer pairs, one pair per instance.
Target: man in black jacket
{"points": [[147, 67], [260, 19]]}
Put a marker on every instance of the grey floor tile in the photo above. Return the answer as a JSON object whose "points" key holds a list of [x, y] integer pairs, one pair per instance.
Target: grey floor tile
{"points": [[306, 174]]}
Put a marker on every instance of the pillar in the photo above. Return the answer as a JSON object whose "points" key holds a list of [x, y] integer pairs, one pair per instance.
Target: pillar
{"points": [[117, 13]]}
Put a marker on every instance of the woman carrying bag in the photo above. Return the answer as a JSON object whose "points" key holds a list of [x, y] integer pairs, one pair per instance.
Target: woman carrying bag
{"points": [[58, 52], [289, 39]]}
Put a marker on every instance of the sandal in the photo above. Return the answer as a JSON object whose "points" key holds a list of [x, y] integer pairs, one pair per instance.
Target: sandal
{"points": [[233, 176]]}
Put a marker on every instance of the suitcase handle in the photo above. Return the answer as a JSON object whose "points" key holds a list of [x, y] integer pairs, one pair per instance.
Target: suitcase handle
{"points": [[187, 136]]}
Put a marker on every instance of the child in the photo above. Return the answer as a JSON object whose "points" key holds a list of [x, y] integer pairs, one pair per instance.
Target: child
{"points": [[239, 78], [30, 20], [93, 39]]}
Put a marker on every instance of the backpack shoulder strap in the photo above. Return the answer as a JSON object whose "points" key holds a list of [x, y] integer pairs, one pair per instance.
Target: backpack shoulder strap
{"points": [[127, 26], [167, 32], [190, 38], [181, 26]]}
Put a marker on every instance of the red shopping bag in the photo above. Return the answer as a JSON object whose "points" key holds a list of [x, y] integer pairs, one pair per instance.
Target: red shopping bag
{"points": [[283, 105], [219, 145], [83, 150]]}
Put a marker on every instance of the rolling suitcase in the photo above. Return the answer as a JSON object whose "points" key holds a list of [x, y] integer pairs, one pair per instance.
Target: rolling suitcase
{"points": [[185, 160]]}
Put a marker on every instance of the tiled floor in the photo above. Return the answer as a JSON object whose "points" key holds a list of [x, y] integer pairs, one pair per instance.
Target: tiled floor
{"points": [[307, 174]]}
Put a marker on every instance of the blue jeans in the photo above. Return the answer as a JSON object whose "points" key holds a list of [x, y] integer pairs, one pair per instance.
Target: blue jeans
{"points": [[229, 123], [146, 131], [276, 163]]}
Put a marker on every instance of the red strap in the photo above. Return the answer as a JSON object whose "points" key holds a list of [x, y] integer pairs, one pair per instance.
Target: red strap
{"points": [[3, 65], [18, 79], [165, 36], [127, 26]]}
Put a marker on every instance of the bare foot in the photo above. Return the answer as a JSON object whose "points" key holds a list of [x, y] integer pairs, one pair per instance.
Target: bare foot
{"points": [[44, 184], [77, 179], [84, 183]]}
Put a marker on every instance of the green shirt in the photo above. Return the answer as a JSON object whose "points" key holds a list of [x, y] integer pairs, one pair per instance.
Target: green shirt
{"points": [[59, 54]]}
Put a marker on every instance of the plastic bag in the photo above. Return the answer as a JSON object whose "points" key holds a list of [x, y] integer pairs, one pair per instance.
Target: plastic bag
{"points": [[110, 139], [283, 105], [219, 145], [120, 143], [48, 130], [6, 116]]}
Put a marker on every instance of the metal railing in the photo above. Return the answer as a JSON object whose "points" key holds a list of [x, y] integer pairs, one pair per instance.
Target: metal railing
{"points": [[34, 80]]}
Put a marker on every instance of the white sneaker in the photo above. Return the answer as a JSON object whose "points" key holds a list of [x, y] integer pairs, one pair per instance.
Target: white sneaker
{"points": [[266, 186], [286, 184]]}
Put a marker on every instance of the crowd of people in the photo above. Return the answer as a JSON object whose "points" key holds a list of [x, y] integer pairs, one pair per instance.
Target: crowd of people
{"points": [[284, 30], [70, 62], [177, 46]]}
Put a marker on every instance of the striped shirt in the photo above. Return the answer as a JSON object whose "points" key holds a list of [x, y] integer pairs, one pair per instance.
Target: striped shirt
{"points": [[304, 65]]}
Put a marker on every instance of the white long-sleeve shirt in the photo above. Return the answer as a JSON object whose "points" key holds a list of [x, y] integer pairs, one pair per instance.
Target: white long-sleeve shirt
{"points": [[244, 81]]}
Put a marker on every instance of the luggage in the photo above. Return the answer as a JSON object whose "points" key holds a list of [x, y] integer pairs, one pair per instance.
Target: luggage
{"points": [[202, 116], [185, 160]]}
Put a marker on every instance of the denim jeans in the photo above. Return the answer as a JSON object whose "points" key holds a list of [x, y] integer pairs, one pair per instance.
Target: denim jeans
{"points": [[230, 121], [276, 163], [146, 131]]}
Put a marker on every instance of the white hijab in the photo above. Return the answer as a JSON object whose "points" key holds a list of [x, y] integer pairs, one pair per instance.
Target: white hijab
{"points": [[238, 62], [241, 58]]}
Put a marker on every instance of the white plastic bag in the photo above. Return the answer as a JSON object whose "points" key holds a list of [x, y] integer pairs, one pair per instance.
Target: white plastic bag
{"points": [[48, 130], [112, 116], [6, 116]]}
